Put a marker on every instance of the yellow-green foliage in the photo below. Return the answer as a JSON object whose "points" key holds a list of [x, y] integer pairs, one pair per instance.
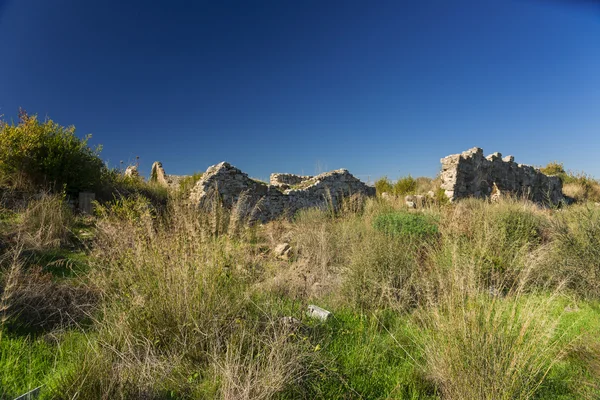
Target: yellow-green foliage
{"points": [[578, 186], [187, 183], [383, 185], [555, 168], [45, 153], [115, 185], [404, 186]]}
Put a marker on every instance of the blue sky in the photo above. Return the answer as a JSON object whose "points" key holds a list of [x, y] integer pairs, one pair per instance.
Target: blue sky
{"points": [[377, 87]]}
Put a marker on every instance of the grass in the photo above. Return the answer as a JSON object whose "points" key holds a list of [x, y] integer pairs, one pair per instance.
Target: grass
{"points": [[455, 301]]}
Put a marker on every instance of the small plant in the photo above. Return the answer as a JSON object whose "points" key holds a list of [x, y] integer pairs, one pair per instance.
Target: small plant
{"points": [[406, 224], [440, 197]]}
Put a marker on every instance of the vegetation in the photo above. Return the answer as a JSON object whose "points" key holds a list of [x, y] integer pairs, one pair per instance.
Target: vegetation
{"points": [[580, 187], [406, 224], [187, 183], [152, 299], [47, 154]]}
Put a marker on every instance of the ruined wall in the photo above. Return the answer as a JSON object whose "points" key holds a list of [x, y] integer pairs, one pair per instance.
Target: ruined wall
{"points": [[266, 202], [470, 174], [158, 176], [287, 180], [132, 172]]}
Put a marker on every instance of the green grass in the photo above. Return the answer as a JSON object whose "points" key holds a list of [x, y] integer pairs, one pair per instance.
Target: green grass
{"points": [[406, 224], [368, 356], [186, 313], [27, 362]]}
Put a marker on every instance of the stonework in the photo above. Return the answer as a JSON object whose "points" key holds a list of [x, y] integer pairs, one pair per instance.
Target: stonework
{"points": [[286, 181], [132, 172], [470, 174], [265, 202], [158, 176]]}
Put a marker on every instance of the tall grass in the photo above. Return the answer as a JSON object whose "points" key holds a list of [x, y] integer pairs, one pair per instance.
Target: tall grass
{"points": [[46, 222], [484, 342], [178, 314], [459, 301]]}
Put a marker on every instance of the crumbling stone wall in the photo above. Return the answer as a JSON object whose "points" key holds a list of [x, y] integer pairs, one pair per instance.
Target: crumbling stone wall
{"points": [[470, 174], [287, 180], [266, 202], [132, 172], [158, 176]]}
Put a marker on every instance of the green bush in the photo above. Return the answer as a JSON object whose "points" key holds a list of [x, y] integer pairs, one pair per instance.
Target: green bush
{"points": [[555, 168], [383, 185], [47, 154], [406, 224], [406, 185]]}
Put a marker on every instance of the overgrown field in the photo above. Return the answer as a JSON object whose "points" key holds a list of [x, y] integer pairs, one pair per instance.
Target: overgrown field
{"points": [[474, 300], [153, 299]]}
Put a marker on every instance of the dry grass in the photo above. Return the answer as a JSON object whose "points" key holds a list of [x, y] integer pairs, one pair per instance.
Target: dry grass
{"points": [[32, 300], [46, 222], [178, 312], [187, 298], [483, 341]]}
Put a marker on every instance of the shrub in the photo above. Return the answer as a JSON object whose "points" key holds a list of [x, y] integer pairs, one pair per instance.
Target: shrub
{"points": [[383, 185], [404, 186], [47, 154], [406, 224], [555, 168]]}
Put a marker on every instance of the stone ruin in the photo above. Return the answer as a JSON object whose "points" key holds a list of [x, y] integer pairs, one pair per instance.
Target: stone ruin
{"points": [[470, 174], [132, 172], [158, 176], [283, 196]]}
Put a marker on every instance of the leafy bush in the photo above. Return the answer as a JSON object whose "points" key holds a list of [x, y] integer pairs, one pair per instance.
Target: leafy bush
{"points": [[555, 168], [47, 154], [383, 185], [406, 185], [406, 224]]}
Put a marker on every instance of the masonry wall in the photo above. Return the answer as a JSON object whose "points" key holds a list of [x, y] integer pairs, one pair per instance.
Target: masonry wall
{"points": [[265, 202], [470, 174]]}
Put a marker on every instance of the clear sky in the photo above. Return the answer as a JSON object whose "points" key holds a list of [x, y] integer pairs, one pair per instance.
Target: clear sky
{"points": [[377, 87]]}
